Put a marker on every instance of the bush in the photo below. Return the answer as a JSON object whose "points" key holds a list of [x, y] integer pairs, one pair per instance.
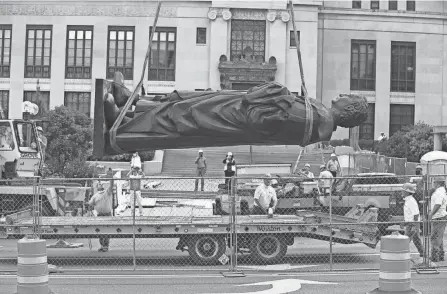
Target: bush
{"points": [[410, 143], [69, 136]]}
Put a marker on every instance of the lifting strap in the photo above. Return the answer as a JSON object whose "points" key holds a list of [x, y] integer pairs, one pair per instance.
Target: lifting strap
{"points": [[137, 88], [309, 111]]}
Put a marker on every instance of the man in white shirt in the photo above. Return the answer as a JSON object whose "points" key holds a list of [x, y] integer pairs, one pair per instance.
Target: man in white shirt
{"points": [[101, 205], [265, 197], [135, 189], [135, 161], [324, 183], [411, 215], [438, 216], [307, 172], [333, 165]]}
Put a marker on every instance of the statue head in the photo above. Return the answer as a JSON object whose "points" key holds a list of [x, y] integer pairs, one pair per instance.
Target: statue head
{"points": [[352, 110]]}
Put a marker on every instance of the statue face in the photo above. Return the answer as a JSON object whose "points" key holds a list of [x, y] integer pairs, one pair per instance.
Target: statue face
{"points": [[353, 109]]}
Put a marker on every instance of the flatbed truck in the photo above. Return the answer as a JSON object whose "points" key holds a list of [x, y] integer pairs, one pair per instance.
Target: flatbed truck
{"points": [[206, 238]]}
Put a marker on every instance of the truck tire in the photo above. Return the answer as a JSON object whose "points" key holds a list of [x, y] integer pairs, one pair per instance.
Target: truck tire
{"points": [[268, 249], [206, 250]]}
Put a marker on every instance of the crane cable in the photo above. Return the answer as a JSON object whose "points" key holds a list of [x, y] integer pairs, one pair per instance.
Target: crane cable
{"points": [[132, 97], [309, 111]]}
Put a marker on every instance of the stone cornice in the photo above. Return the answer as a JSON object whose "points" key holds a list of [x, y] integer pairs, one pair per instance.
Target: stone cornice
{"points": [[249, 14], [85, 10]]}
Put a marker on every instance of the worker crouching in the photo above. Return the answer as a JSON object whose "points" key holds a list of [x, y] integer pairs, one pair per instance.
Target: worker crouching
{"points": [[101, 205], [265, 199]]}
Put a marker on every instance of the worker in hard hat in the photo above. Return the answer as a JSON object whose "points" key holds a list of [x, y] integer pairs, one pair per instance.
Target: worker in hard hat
{"points": [[324, 183], [412, 215], [333, 166], [306, 171], [438, 216], [229, 168], [265, 197], [201, 170]]}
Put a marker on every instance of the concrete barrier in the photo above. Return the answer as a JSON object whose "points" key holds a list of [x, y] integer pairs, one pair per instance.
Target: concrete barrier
{"points": [[260, 169], [155, 166]]}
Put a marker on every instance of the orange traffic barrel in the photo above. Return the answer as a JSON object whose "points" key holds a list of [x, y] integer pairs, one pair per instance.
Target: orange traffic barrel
{"points": [[395, 266], [32, 267]]}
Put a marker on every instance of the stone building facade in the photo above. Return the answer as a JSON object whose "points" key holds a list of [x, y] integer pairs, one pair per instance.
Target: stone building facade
{"points": [[391, 51]]}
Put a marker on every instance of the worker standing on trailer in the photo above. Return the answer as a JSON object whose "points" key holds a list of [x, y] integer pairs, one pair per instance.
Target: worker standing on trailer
{"points": [[201, 170], [265, 197], [411, 215], [101, 205], [135, 189], [324, 183], [438, 213]]}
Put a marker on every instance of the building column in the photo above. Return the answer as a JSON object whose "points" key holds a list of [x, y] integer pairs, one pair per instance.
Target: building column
{"points": [[437, 140], [382, 97], [57, 86], [17, 70], [218, 43], [277, 47]]}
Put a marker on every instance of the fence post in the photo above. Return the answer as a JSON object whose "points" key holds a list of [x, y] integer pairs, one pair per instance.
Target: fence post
{"points": [[426, 266], [134, 254], [233, 233], [330, 228]]}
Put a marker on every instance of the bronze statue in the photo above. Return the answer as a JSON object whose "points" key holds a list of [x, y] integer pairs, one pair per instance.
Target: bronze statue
{"points": [[267, 114]]}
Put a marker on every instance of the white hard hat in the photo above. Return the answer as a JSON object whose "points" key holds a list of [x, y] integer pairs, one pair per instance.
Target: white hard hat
{"points": [[39, 129], [200, 151], [322, 166], [229, 154], [274, 182], [307, 165], [333, 154]]}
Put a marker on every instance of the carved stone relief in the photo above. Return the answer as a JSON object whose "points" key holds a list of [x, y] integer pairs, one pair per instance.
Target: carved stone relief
{"points": [[85, 10], [245, 71]]}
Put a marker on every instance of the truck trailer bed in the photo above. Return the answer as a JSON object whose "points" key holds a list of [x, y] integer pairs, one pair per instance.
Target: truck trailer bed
{"points": [[178, 226]]}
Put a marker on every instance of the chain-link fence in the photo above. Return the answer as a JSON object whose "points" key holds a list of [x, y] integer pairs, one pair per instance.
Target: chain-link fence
{"points": [[243, 223]]}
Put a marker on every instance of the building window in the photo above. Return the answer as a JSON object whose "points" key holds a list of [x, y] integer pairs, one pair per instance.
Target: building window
{"points": [[79, 101], [38, 52], [292, 39], [41, 99], [120, 51], [392, 5], [411, 5], [363, 65], [400, 116], [375, 5], [79, 52], [366, 130], [162, 59], [201, 36], [357, 4], [5, 50], [403, 66], [4, 103], [248, 40]]}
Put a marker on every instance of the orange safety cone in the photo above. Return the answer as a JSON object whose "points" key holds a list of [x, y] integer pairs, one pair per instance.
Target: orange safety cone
{"points": [[32, 267], [395, 266]]}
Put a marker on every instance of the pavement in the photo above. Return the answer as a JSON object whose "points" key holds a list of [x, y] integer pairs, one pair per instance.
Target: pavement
{"points": [[306, 255], [201, 283]]}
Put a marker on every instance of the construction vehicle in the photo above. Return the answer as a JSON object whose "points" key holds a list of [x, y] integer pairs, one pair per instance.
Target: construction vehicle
{"points": [[20, 161]]}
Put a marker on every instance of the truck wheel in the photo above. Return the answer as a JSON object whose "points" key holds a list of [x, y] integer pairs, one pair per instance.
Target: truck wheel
{"points": [[206, 250], [267, 249]]}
